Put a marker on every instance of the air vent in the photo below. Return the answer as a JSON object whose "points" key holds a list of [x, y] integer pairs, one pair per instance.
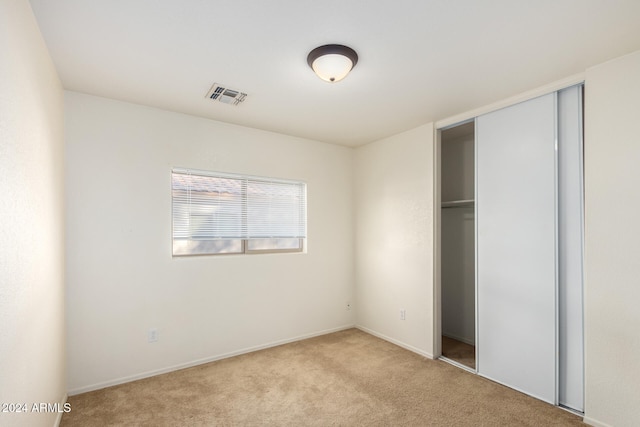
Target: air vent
{"points": [[226, 95]]}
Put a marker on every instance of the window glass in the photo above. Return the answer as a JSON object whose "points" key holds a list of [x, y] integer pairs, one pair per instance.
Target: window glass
{"points": [[203, 247], [215, 213], [292, 245]]}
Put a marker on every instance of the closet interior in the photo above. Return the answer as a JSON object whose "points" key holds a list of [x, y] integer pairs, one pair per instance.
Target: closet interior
{"points": [[457, 192]]}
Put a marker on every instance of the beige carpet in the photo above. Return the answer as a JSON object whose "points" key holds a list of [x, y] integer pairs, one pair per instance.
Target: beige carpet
{"points": [[458, 351], [348, 378]]}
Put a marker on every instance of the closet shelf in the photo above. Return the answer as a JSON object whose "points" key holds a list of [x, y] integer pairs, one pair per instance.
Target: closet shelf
{"points": [[458, 203]]}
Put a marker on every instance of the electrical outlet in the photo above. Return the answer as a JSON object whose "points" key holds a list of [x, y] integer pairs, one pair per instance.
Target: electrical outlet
{"points": [[152, 335], [348, 306], [403, 314]]}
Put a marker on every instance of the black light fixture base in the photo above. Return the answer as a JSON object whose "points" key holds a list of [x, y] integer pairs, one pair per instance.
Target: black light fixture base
{"points": [[332, 49]]}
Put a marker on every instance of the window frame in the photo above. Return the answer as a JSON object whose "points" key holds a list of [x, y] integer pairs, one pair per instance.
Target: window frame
{"points": [[244, 241]]}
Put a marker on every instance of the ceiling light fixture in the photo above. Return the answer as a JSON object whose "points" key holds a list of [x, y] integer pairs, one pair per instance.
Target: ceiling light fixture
{"points": [[332, 62]]}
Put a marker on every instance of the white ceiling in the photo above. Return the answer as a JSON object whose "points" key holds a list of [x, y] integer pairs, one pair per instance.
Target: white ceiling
{"points": [[419, 60]]}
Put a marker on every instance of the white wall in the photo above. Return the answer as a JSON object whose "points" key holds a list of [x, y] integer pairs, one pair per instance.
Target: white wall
{"points": [[121, 277], [31, 220], [612, 197], [394, 238]]}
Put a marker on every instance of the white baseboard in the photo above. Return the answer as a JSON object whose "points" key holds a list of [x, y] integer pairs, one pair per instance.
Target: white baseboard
{"points": [[197, 362], [59, 417], [594, 423], [396, 342]]}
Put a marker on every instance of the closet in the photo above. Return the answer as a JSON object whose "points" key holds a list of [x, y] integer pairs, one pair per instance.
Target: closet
{"points": [[510, 228], [458, 244]]}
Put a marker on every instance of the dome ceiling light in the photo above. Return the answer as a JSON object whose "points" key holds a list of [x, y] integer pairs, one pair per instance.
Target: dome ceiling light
{"points": [[332, 62]]}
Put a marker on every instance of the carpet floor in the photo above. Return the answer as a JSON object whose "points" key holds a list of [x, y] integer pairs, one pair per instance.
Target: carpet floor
{"points": [[348, 378], [459, 352]]}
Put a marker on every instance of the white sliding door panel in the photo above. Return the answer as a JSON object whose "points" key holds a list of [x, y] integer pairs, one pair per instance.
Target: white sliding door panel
{"points": [[570, 228], [516, 247]]}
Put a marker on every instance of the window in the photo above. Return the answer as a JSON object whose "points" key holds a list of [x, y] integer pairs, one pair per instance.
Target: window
{"points": [[216, 213]]}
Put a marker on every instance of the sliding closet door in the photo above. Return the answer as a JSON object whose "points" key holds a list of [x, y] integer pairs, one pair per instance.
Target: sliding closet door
{"points": [[516, 247], [570, 226]]}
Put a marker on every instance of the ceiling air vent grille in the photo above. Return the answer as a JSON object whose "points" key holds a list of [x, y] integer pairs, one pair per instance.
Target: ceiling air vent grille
{"points": [[226, 95]]}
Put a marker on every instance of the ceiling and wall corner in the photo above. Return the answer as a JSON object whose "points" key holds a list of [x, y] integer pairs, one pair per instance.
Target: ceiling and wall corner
{"points": [[418, 61]]}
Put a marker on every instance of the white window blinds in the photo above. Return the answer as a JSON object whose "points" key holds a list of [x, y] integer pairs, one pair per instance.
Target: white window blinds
{"points": [[216, 206]]}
